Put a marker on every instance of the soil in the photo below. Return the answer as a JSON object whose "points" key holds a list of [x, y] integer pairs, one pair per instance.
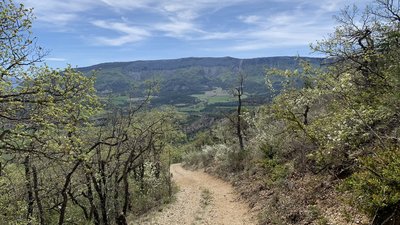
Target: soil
{"points": [[201, 199]]}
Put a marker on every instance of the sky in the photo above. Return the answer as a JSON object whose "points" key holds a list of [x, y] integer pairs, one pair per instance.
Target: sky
{"points": [[87, 32]]}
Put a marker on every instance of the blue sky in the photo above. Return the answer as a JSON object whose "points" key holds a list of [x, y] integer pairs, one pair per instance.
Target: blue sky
{"points": [[87, 32]]}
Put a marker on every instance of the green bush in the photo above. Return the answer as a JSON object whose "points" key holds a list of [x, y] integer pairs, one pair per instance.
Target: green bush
{"points": [[152, 193], [377, 184], [225, 158], [202, 158]]}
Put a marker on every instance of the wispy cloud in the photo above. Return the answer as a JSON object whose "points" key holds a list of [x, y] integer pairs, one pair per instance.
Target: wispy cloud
{"points": [[273, 23], [179, 16], [290, 27], [177, 8], [252, 19], [218, 35], [327, 6], [59, 12], [130, 34], [128, 4], [56, 59], [175, 28]]}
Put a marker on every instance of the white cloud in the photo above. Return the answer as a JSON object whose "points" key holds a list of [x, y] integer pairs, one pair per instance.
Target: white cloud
{"points": [[297, 23], [55, 59], [179, 15], [218, 35], [59, 12], [326, 6], [183, 10], [130, 34], [127, 4], [59, 18], [118, 41], [176, 28], [252, 19], [121, 27], [293, 27]]}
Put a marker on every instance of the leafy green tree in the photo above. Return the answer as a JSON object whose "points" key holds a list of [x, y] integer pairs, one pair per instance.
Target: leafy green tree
{"points": [[40, 110], [17, 45]]}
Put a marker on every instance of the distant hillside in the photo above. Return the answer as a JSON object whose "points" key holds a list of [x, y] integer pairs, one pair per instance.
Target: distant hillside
{"points": [[192, 84]]}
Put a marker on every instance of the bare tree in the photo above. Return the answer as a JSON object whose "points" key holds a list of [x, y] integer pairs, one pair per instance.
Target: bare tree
{"points": [[239, 94]]}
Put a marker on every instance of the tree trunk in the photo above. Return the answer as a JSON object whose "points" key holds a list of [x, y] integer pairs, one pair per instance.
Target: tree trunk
{"points": [[37, 198], [240, 93], [141, 175], [117, 209], [239, 120], [103, 200], [93, 210], [28, 182], [121, 220], [306, 115], [101, 189], [126, 194], [64, 193]]}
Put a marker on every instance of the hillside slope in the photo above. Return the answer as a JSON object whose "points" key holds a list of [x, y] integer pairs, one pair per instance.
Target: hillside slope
{"points": [[191, 84]]}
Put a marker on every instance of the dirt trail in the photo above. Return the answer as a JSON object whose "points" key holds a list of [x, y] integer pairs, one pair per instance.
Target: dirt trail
{"points": [[202, 199]]}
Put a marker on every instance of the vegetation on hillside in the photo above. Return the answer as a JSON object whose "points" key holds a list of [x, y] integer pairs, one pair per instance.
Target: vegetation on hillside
{"points": [[184, 81], [325, 149], [200, 87], [336, 137], [63, 158]]}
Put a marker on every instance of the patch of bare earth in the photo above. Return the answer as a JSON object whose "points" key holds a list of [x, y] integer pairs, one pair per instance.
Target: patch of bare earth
{"points": [[298, 199], [202, 199]]}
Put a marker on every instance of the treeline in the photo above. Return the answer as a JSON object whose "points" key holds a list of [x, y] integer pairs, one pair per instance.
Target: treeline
{"points": [[336, 137], [64, 157]]}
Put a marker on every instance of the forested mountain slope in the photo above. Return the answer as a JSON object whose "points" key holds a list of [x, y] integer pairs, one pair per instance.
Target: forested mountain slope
{"points": [[187, 81]]}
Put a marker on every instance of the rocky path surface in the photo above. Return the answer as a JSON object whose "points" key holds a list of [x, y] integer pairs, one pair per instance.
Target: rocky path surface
{"points": [[202, 199]]}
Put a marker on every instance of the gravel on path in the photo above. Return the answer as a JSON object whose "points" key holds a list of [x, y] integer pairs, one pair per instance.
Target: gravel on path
{"points": [[202, 199]]}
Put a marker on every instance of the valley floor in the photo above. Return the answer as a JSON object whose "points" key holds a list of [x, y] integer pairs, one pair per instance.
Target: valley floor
{"points": [[202, 199]]}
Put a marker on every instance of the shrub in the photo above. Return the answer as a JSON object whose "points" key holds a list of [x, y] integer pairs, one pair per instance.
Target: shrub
{"points": [[225, 158], [202, 158], [377, 183]]}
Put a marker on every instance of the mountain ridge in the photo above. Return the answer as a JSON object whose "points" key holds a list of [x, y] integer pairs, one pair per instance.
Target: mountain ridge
{"points": [[192, 84], [191, 59]]}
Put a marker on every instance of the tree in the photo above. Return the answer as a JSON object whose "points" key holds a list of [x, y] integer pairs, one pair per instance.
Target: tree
{"points": [[61, 160], [18, 47], [359, 136], [239, 94], [42, 112]]}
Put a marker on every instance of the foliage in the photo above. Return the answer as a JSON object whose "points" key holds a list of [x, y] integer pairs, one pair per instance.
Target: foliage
{"points": [[63, 157], [17, 46], [364, 126], [346, 112], [376, 184], [339, 121]]}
